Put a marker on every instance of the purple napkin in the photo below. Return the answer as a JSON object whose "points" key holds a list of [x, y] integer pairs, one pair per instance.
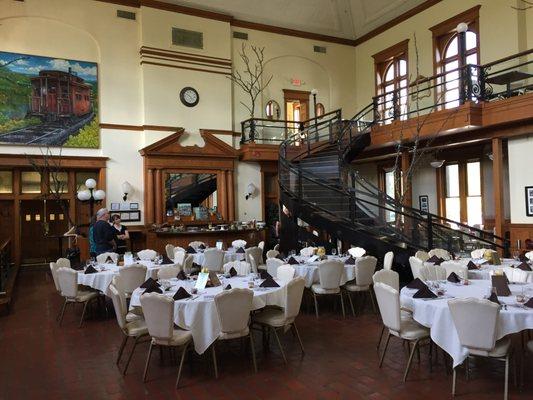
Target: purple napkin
{"points": [[453, 278], [181, 294], [350, 261], [90, 270], [264, 274], [424, 293], [232, 272], [529, 303], [471, 266], [228, 287], [149, 282], [269, 282], [190, 250], [494, 298], [416, 284], [181, 276], [240, 250], [435, 260], [153, 289], [292, 261], [524, 267], [202, 246]]}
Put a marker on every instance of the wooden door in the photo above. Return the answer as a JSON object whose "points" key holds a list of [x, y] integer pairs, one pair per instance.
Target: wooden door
{"points": [[7, 223], [301, 98]]}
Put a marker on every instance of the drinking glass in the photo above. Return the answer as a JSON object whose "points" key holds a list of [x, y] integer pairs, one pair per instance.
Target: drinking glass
{"points": [[333, 252]]}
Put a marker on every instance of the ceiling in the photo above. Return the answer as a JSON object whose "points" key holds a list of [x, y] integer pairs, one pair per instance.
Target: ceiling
{"points": [[348, 19]]}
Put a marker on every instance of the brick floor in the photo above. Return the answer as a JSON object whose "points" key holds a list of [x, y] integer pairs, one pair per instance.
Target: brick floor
{"points": [[40, 360]]}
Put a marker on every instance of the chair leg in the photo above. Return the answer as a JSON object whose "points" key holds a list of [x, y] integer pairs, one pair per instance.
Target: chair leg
{"points": [[279, 345], [214, 354], [467, 368], [121, 349], [373, 301], [453, 381], [380, 337], [62, 312], [147, 361], [506, 386], [410, 360], [181, 363], [299, 338], [316, 304], [253, 352], [351, 303], [83, 314], [342, 306], [131, 355], [384, 350]]}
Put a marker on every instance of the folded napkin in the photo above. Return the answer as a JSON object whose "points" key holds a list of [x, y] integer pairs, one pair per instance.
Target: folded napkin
{"points": [[228, 287], [471, 265], [153, 289], [232, 272], [240, 250], [529, 303], [453, 278], [109, 260], [500, 282], [202, 246], [181, 276], [269, 282], [435, 260], [195, 271], [181, 294], [416, 284], [264, 274], [90, 270], [494, 298], [424, 293], [166, 260], [524, 267], [522, 257], [190, 250], [149, 282], [292, 261], [281, 257], [350, 261]]}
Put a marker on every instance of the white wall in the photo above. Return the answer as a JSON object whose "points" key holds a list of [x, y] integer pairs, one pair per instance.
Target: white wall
{"points": [[520, 160], [425, 183]]}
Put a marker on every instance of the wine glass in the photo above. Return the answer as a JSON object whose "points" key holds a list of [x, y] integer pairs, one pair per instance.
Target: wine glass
{"points": [[333, 252]]}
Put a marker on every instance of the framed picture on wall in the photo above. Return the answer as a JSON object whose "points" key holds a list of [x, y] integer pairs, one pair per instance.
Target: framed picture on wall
{"points": [[423, 203], [529, 201], [135, 216], [115, 206], [134, 206]]}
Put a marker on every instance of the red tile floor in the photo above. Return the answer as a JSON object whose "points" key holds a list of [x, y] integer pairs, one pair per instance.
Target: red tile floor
{"points": [[40, 360]]}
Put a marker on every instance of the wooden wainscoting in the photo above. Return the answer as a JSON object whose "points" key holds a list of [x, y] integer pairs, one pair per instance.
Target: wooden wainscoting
{"points": [[520, 232]]}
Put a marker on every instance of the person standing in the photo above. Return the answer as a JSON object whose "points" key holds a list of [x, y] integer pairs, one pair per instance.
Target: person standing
{"points": [[121, 234], [103, 232]]}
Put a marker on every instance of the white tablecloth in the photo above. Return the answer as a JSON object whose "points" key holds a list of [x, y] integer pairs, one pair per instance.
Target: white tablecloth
{"points": [[309, 270], [198, 314], [435, 314], [229, 255], [485, 270]]}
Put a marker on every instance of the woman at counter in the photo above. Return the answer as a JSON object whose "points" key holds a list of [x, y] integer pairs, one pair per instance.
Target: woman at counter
{"points": [[121, 234]]}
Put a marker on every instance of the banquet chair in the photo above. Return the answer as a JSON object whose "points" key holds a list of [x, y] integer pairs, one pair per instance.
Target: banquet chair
{"points": [[388, 260], [242, 267], [528, 255], [158, 312], [213, 259], [187, 264], [233, 309], [131, 277], [405, 328], [63, 263], [422, 255], [135, 329], [283, 319], [308, 251], [169, 250], [516, 275], [195, 244], [68, 283], [179, 256], [261, 245], [273, 264], [101, 258], [168, 271], [276, 247], [366, 266], [256, 253], [460, 270], [444, 254], [476, 323], [478, 253], [330, 273], [432, 273], [53, 270], [147, 255], [253, 265], [238, 243], [415, 263], [356, 252], [285, 272], [272, 254]]}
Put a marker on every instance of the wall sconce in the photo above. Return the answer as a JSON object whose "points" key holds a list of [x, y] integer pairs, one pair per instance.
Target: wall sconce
{"points": [[437, 163], [250, 191], [126, 189]]}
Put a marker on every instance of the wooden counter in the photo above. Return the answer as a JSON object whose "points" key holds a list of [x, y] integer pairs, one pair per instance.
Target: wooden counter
{"points": [[158, 240]]}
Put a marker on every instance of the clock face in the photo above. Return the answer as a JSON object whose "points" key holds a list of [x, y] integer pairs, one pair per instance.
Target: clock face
{"points": [[189, 96]]}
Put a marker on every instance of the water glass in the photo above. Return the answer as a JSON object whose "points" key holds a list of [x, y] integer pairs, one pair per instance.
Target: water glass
{"points": [[333, 252]]}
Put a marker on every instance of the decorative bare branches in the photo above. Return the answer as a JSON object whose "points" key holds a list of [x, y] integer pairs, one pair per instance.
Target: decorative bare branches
{"points": [[251, 80]]}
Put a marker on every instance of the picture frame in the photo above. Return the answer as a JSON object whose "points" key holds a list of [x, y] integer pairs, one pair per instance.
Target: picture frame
{"points": [[423, 203], [115, 206], [529, 201], [135, 216], [124, 216], [134, 206]]}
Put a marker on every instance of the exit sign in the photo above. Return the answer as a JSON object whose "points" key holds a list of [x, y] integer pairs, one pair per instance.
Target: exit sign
{"points": [[296, 82]]}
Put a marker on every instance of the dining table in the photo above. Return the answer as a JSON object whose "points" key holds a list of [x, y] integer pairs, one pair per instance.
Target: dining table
{"points": [[230, 254], [485, 270], [307, 268]]}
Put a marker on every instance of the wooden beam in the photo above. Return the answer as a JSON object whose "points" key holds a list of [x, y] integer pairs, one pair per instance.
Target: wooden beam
{"points": [[497, 185], [408, 186], [158, 197]]}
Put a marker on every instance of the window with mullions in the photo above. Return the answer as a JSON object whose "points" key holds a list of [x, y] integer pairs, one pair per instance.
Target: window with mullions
{"points": [[464, 198]]}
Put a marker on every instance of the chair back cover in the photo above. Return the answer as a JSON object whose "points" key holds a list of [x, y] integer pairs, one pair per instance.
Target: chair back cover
{"points": [[238, 243], [187, 263], [256, 253], [68, 282], [388, 277], [422, 255], [387, 260], [195, 244], [444, 254], [63, 262], [119, 304], [285, 272], [356, 252], [366, 266], [101, 258], [461, 270], [272, 254], [179, 256], [233, 309], [168, 271], [273, 264], [53, 269], [294, 292], [389, 305], [432, 273], [147, 255], [213, 259], [131, 277], [169, 249], [416, 264], [478, 253], [158, 311], [242, 267], [330, 273]]}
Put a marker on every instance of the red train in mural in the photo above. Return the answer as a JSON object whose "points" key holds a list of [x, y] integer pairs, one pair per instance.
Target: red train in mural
{"points": [[59, 95]]}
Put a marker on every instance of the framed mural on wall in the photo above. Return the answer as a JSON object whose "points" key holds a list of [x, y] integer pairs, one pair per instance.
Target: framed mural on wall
{"points": [[529, 201], [47, 101]]}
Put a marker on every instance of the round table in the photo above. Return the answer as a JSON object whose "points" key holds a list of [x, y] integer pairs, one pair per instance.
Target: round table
{"points": [[435, 313], [309, 270], [198, 315], [229, 255]]}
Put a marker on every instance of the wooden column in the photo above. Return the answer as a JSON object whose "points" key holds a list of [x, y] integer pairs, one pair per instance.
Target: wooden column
{"points": [[102, 183], [408, 187], [497, 185], [231, 197], [158, 197], [149, 197], [16, 215], [223, 205]]}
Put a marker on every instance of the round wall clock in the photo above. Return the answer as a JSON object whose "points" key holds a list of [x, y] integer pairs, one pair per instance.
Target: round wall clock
{"points": [[189, 96]]}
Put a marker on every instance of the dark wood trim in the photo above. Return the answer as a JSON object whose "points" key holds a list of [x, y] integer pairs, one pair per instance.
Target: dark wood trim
{"points": [[186, 54], [186, 10], [451, 23], [161, 128], [189, 68], [179, 57], [21, 160], [497, 185], [185, 62], [127, 3], [221, 132], [391, 51], [121, 127]]}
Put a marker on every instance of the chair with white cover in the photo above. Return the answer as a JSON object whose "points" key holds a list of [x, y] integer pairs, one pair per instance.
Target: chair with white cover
{"points": [[169, 250], [196, 244], [388, 259], [422, 255], [272, 254], [529, 255], [285, 272], [478, 253], [282, 319], [158, 312], [404, 328], [68, 283], [241, 267], [273, 264], [213, 259], [256, 253], [253, 265], [516, 275], [63, 263], [416, 264], [432, 273], [147, 255], [131, 277], [53, 270], [308, 251], [101, 258], [330, 273], [135, 329], [233, 310], [261, 245], [476, 323], [460, 270], [168, 271], [187, 264], [276, 247], [366, 266], [441, 253], [357, 252], [238, 244], [387, 277], [179, 256]]}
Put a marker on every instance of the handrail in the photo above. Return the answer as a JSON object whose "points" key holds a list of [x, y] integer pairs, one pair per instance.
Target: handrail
{"points": [[5, 244]]}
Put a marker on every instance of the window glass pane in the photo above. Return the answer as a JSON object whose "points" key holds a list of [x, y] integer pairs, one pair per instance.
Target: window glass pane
{"points": [[59, 182], [6, 182], [471, 40], [389, 73], [452, 49], [474, 210], [452, 180], [403, 67], [30, 182], [472, 59], [473, 174], [453, 208], [389, 183], [81, 177]]}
